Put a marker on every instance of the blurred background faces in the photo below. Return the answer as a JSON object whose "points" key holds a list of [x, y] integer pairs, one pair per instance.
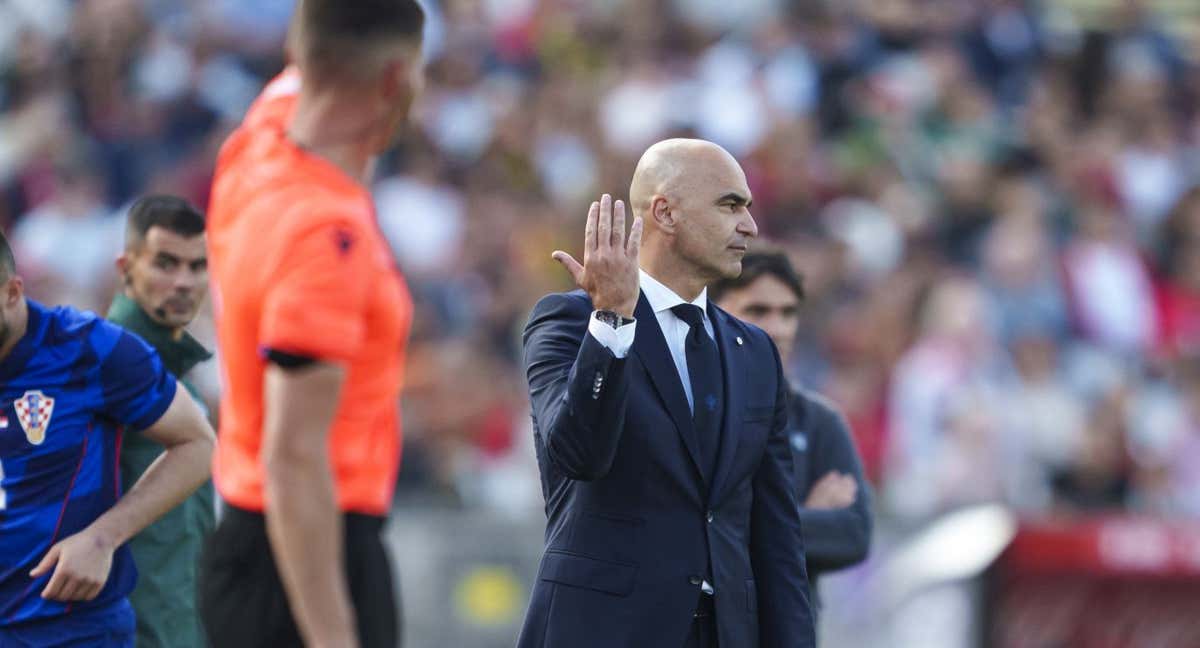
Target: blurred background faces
{"points": [[995, 204]]}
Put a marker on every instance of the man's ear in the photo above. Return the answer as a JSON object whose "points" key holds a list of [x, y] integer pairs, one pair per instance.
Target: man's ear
{"points": [[123, 263], [14, 291], [397, 78], [664, 216]]}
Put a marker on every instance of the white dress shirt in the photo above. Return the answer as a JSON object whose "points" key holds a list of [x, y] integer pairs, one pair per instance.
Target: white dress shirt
{"points": [[662, 299]]}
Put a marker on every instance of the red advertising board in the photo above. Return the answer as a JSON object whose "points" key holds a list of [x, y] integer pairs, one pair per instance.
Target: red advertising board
{"points": [[1102, 583]]}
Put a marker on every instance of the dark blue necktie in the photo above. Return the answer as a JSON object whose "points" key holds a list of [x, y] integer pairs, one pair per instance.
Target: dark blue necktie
{"points": [[704, 373]]}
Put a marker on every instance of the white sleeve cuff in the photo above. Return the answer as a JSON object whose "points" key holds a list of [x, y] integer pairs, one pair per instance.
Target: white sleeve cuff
{"points": [[618, 340]]}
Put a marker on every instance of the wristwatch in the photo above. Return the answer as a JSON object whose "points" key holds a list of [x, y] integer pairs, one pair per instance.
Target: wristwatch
{"points": [[613, 319]]}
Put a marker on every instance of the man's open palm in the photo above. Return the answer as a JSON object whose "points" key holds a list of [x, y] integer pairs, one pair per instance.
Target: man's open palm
{"points": [[609, 272]]}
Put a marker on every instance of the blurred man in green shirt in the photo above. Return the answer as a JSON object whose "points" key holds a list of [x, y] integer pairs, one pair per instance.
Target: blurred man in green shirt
{"points": [[164, 269]]}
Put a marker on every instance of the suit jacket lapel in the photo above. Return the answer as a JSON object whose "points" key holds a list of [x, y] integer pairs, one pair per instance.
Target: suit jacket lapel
{"points": [[734, 367], [650, 346]]}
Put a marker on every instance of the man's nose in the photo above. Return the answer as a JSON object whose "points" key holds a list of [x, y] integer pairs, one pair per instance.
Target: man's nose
{"points": [[748, 227], [186, 281]]}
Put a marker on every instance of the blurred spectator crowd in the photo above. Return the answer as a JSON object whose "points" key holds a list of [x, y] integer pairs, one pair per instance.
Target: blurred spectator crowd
{"points": [[995, 204]]}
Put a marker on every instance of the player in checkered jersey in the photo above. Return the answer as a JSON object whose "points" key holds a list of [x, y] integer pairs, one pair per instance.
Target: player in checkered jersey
{"points": [[69, 383]]}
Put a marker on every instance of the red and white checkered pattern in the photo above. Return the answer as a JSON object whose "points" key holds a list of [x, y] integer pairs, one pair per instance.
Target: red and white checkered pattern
{"points": [[34, 410]]}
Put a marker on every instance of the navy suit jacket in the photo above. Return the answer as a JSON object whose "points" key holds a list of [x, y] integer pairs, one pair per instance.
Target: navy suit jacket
{"points": [[632, 521]]}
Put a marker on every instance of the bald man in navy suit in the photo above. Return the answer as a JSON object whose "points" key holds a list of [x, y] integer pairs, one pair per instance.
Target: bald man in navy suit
{"points": [[660, 424]]}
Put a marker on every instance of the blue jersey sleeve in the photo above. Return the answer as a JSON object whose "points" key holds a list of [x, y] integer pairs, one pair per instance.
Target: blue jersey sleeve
{"points": [[136, 388]]}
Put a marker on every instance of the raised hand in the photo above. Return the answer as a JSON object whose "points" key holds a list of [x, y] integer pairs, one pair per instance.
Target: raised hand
{"points": [[609, 272]]}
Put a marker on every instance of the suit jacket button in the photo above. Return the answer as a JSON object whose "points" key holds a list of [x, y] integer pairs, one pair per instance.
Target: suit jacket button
{"points": [[709, 517], [695, 580]]}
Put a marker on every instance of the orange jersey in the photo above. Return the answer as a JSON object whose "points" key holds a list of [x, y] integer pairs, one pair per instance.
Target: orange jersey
{"points": [[299, 265]]}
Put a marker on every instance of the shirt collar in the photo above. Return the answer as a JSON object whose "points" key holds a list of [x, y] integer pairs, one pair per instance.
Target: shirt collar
{"points": [[178, 354], [662, 298]]}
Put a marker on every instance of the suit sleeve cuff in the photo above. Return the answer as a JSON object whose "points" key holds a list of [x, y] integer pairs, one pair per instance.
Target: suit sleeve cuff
{"points": [[618, 340]]}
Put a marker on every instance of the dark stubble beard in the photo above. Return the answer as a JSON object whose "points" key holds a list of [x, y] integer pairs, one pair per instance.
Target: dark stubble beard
{"points": [[5, 331]]}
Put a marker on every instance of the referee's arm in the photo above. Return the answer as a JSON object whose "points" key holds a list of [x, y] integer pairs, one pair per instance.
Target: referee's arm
{"points": [[303, 521]]}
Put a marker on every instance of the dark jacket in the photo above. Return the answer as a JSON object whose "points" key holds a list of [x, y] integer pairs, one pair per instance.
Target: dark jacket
{"points": [[633, 524], [820, 441]]}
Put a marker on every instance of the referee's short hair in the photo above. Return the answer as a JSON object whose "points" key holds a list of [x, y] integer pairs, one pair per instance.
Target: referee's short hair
{"points": [[338, 38], [774, 263], [171, 213], [8, 263]]}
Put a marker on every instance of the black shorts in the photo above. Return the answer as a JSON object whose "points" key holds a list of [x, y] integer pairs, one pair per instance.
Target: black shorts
{"points": [[242, 601]]}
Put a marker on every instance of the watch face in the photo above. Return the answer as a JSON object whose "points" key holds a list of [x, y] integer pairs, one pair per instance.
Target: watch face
{"points": [[611, 318]]}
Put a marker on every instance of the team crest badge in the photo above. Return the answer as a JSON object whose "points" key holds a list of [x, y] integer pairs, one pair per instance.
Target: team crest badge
{"points": [[33, 413]]}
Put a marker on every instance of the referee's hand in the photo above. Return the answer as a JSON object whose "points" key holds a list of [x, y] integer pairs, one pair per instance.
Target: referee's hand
{"points": [[83, 563], [609, 272]]}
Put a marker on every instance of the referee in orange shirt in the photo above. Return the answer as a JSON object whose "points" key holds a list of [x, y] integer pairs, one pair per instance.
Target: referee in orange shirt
{"points": [[312, 319]]}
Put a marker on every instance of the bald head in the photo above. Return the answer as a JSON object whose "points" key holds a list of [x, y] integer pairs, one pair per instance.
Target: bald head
{"points": [[676, 166], [695, 202]]}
